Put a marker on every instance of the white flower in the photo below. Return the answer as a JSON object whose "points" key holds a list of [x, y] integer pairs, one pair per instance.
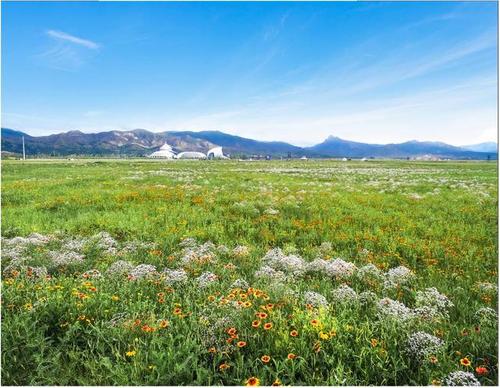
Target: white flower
{"points": [[142, 271], [461, 378], [398, 276], [61, 258], [340, 269], [240, 283], [344, 294], [433, 299], [206, 278], [291, 264], [486, 316], [314, 299], [271, 212], [173, 276], [389, 308], [119, 268], [266, 272], [421, 345], [369, 272]]}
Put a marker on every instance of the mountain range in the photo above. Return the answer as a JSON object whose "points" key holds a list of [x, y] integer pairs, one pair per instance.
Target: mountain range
{"points": [[141, 142]]}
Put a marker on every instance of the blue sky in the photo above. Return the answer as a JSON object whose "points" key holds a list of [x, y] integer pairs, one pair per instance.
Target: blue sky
{"points": [[298, 72]]}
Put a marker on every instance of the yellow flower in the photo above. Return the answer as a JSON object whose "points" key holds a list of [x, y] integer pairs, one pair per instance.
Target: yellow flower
{"points": [[276, 383], [374, 342], [131, 353], [323, 335], [115, 298], [465, 361]]}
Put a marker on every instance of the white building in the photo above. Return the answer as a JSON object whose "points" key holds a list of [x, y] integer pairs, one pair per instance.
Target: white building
{"points": [[191, 155], [165, 152], [216, 153]]}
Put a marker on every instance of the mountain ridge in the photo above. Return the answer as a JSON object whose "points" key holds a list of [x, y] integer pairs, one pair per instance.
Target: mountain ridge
{"points": [[141, 142]]}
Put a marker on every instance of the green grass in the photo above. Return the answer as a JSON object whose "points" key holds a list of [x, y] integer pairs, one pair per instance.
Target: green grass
{"points": [[438, 218]]}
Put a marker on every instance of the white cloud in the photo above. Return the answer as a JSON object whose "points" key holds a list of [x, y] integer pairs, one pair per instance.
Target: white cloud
{"points": [[60, 35]]}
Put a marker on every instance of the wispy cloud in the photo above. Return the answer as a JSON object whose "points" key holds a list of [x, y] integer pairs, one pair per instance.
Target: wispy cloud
{"points": [[60, 35]]}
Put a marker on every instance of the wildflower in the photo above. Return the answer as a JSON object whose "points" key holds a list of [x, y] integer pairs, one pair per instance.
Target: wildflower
{"points": [[393, 309], [115, 298], [276, 383], [252, 382], [294, 333], [323, 335], [131, 353], [265, 359], [224, 366], [314, 299], [436, 382], [247, 304], [163, 324], [465, 361], [255, 324], [420, 345], [461, 378], [374, 342], [232, 331], [241, 344], [433, 359], [261, 315], [143, 271], [314, 322], [344, 294], [481, 370], [177, 311], [147, 329], [174, 276], [212, 350], [268, 326], [291, 356]]}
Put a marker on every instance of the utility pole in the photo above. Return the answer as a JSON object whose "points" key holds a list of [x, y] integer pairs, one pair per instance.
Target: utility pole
{"points": [[24, 151]]}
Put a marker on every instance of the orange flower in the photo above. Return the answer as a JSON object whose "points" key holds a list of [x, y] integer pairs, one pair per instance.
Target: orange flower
{"points": [[232, 331], [177, 311], [270, 306], [465, 361], [294, 333], [252, 382], [433, 359], [255, 323], [163, 324], [374, 342], [291, 356], [265, 359], [314, 322], [241, 344], [147, 329], [481, 370], [212, 350], [211, 298], [276, 383], [224, 366], [268, 326], [262, 315]]}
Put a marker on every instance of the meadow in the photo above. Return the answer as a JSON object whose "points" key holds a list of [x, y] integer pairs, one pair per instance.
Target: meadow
{"points": [[249, 273]]}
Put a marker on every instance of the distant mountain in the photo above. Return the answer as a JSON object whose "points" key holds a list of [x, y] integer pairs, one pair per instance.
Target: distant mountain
{"points": [[489, 146], [336, 147], [141, 142]]}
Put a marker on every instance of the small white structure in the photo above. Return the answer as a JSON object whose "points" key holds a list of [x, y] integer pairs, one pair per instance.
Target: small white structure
{"points": [[344, 159], [165, 152], [364, 159], [191, 155], [303, 158], [216, 153]]}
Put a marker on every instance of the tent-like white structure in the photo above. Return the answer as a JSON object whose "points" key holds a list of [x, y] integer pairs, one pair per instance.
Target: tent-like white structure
{"points": [[191, 155], [165, 152], [216, 153]]}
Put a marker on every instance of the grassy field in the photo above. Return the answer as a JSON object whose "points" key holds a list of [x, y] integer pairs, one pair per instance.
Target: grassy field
{"points": [[147, 273]]}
